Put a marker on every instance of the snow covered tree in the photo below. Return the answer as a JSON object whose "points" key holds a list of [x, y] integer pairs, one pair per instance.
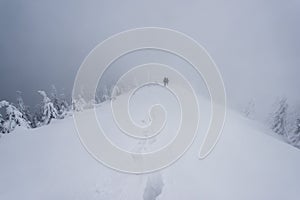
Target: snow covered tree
{"points": [[49, 112], [37, 117], [295, 138], [279, 118], [116, 91], [79, 104], [64, 106], [13, 118], [1, 124], [297, 131], [59, 102], [54, 98], [106, 94], [98, 96], [24, 109], [35, 122]]}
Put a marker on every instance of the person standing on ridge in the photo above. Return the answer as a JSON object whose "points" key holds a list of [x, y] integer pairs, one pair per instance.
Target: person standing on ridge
{"points": [[166, 81]]}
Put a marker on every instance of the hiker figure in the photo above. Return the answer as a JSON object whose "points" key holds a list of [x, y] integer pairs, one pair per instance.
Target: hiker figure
{"points": [[166, 81]]}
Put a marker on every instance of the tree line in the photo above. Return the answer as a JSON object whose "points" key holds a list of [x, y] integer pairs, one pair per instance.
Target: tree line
{"points": [[283, 121], [53, 106]]}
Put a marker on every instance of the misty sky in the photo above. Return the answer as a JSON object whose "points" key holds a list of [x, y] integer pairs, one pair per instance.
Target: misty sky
{"points": [[255, 43]]}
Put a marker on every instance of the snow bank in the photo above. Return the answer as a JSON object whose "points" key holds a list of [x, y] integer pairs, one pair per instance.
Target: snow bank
{"points": [[50, 163]]}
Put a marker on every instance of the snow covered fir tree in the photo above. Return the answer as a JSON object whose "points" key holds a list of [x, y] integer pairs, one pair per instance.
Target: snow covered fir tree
{"points": [[294, 137], [279, 118], [12, 119], [24, 109], [54, 106], [21, 115], [78, 104], [49, 112], [59, 102]]}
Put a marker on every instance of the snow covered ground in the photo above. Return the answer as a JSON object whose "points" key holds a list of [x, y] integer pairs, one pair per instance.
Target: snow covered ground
{"points": [[50, 163]]}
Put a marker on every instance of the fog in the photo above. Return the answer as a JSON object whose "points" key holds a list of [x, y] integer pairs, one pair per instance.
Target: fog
{"points": [[255, 44]]}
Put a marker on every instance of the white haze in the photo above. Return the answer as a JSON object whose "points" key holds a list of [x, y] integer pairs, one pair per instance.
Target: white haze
{"points": [[254, 43]]}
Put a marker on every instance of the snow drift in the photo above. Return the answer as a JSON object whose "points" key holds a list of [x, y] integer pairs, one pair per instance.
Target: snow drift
{"points": [[50, 162]]}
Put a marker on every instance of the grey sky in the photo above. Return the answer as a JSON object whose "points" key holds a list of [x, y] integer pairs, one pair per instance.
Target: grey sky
{"points": [[255, 43]]}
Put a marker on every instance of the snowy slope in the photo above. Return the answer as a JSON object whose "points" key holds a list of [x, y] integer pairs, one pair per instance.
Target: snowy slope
{"points": [[50, 162]]}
